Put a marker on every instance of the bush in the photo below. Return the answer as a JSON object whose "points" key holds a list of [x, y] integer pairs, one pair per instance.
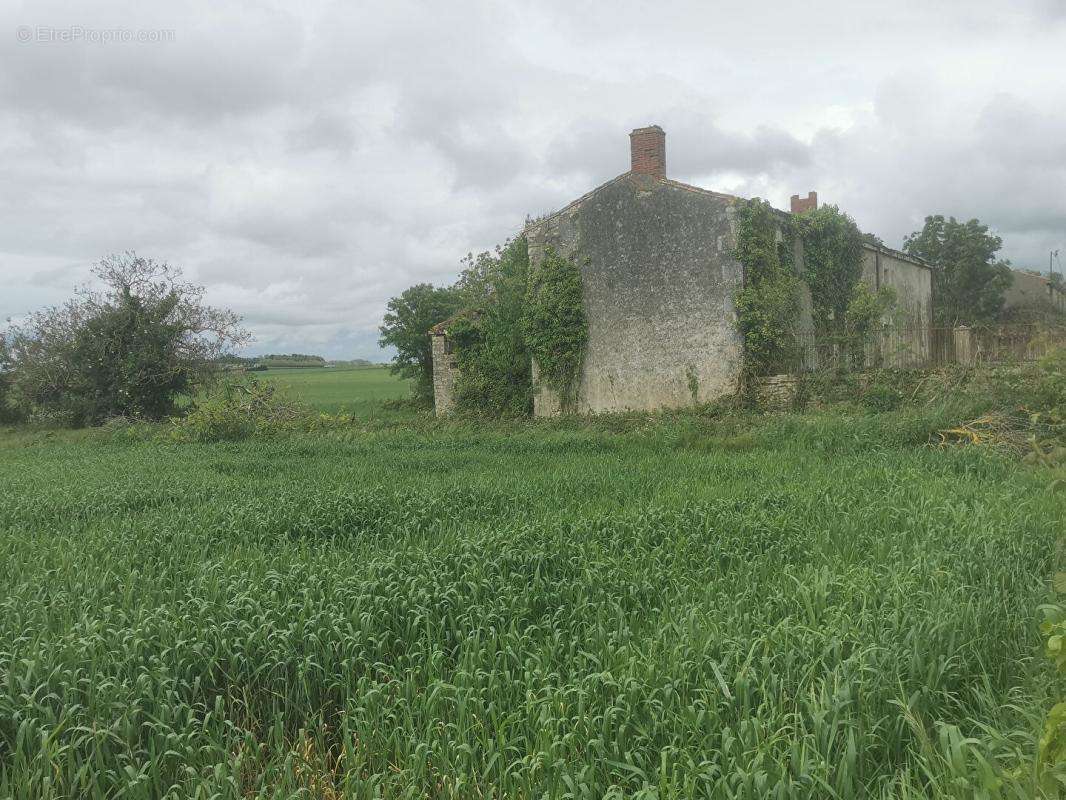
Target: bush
{"points": [[495, 374], [238, 409], [130, 350], [768, 303], [881, 397]]}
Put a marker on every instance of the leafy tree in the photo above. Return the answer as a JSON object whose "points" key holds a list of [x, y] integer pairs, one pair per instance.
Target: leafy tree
{"points": [[129, 349], [968, 282], [8, 411], [406, 327], [493, 359]]}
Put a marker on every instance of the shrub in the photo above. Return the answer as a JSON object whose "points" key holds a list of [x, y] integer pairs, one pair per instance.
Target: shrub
{"points": [[8, 411], [881, 397], [130, 350], [832, 264], [494, 363], [238, 409]]}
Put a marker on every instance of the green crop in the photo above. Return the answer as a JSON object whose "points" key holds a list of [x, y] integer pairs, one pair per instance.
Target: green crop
{"points": [[800, 611]]}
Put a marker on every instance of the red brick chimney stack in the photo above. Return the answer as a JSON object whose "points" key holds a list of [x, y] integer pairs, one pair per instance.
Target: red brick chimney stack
{"points": [[800, 205], [647, 148]]}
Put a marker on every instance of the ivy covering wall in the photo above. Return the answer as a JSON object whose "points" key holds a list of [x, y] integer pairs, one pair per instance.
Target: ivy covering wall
{"points": [[555, 324], [768, 303], [843, 309], [513, 317]]}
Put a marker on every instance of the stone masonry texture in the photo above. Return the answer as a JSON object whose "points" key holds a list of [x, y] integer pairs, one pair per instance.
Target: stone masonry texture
{"points": [[659, 279]]}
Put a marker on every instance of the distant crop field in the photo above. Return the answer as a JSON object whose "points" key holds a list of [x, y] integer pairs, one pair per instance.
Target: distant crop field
{"points": [[815, 608], [337, 389]]}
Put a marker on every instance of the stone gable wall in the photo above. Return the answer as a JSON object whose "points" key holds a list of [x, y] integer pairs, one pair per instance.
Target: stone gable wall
{"points": [[659, 279]]}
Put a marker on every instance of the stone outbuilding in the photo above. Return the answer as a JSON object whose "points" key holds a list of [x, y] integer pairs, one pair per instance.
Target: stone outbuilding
{"points": [[659, 278], [1033, 293]]}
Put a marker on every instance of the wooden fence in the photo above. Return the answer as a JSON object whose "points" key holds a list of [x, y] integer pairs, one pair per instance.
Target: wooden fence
{"points": [[920, 347]]}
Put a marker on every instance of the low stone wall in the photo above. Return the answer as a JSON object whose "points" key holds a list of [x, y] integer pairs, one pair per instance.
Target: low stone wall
{"points": [[776, 392]]}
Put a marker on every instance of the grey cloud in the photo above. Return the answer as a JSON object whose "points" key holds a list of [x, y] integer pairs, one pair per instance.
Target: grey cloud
{"points": [[308, 164]]}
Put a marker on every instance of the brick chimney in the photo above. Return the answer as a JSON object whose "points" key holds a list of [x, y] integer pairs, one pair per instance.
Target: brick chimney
{"points": [[799, 205], [647, 149]]}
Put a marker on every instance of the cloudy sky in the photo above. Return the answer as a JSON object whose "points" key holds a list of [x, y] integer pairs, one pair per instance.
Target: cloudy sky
{"points": [[305, 165]]}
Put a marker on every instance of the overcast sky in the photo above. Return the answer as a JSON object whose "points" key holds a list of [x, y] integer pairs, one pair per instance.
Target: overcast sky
{"points": [[307, 165]]}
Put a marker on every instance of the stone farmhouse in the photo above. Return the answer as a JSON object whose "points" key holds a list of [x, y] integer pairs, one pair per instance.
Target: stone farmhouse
{"points": [[659, 278]]}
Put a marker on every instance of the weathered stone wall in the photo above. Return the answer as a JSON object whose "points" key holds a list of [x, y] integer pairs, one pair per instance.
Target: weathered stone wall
{"points": [[659, 279], [444, 374], [1035, 292], [913, 284]]}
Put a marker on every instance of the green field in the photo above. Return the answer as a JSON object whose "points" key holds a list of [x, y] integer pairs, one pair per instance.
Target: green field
{"points": [[805, 607], [340, 389]]}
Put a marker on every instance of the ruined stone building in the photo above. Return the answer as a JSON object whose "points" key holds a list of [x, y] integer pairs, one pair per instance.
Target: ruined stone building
{"points": [[659, 278], [1032, 292]]}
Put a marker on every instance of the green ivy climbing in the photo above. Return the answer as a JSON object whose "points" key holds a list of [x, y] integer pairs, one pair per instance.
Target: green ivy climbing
{"points": [[768, 303], [832, 264], [555, 325]]}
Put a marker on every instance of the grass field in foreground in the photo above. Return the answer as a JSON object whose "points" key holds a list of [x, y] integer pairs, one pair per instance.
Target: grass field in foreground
{"points": [[801, 611], [340, 389]]}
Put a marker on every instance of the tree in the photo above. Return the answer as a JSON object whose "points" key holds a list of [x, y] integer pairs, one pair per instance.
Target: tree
{"points": [[130, 348], [968, 282], [8, 411], [495, 366], [406, 327]]}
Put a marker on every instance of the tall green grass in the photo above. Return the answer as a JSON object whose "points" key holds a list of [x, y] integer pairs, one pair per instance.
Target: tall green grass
{"points": [[808, 607], [336, 390]]}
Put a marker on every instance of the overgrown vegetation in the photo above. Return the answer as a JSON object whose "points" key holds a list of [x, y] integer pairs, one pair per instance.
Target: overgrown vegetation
{"points": [[238, 409], [768, 303], [554, 323], [9, 412], [405, 327], [844, 311], [131, 348], [491, 353], [832, 265]]}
